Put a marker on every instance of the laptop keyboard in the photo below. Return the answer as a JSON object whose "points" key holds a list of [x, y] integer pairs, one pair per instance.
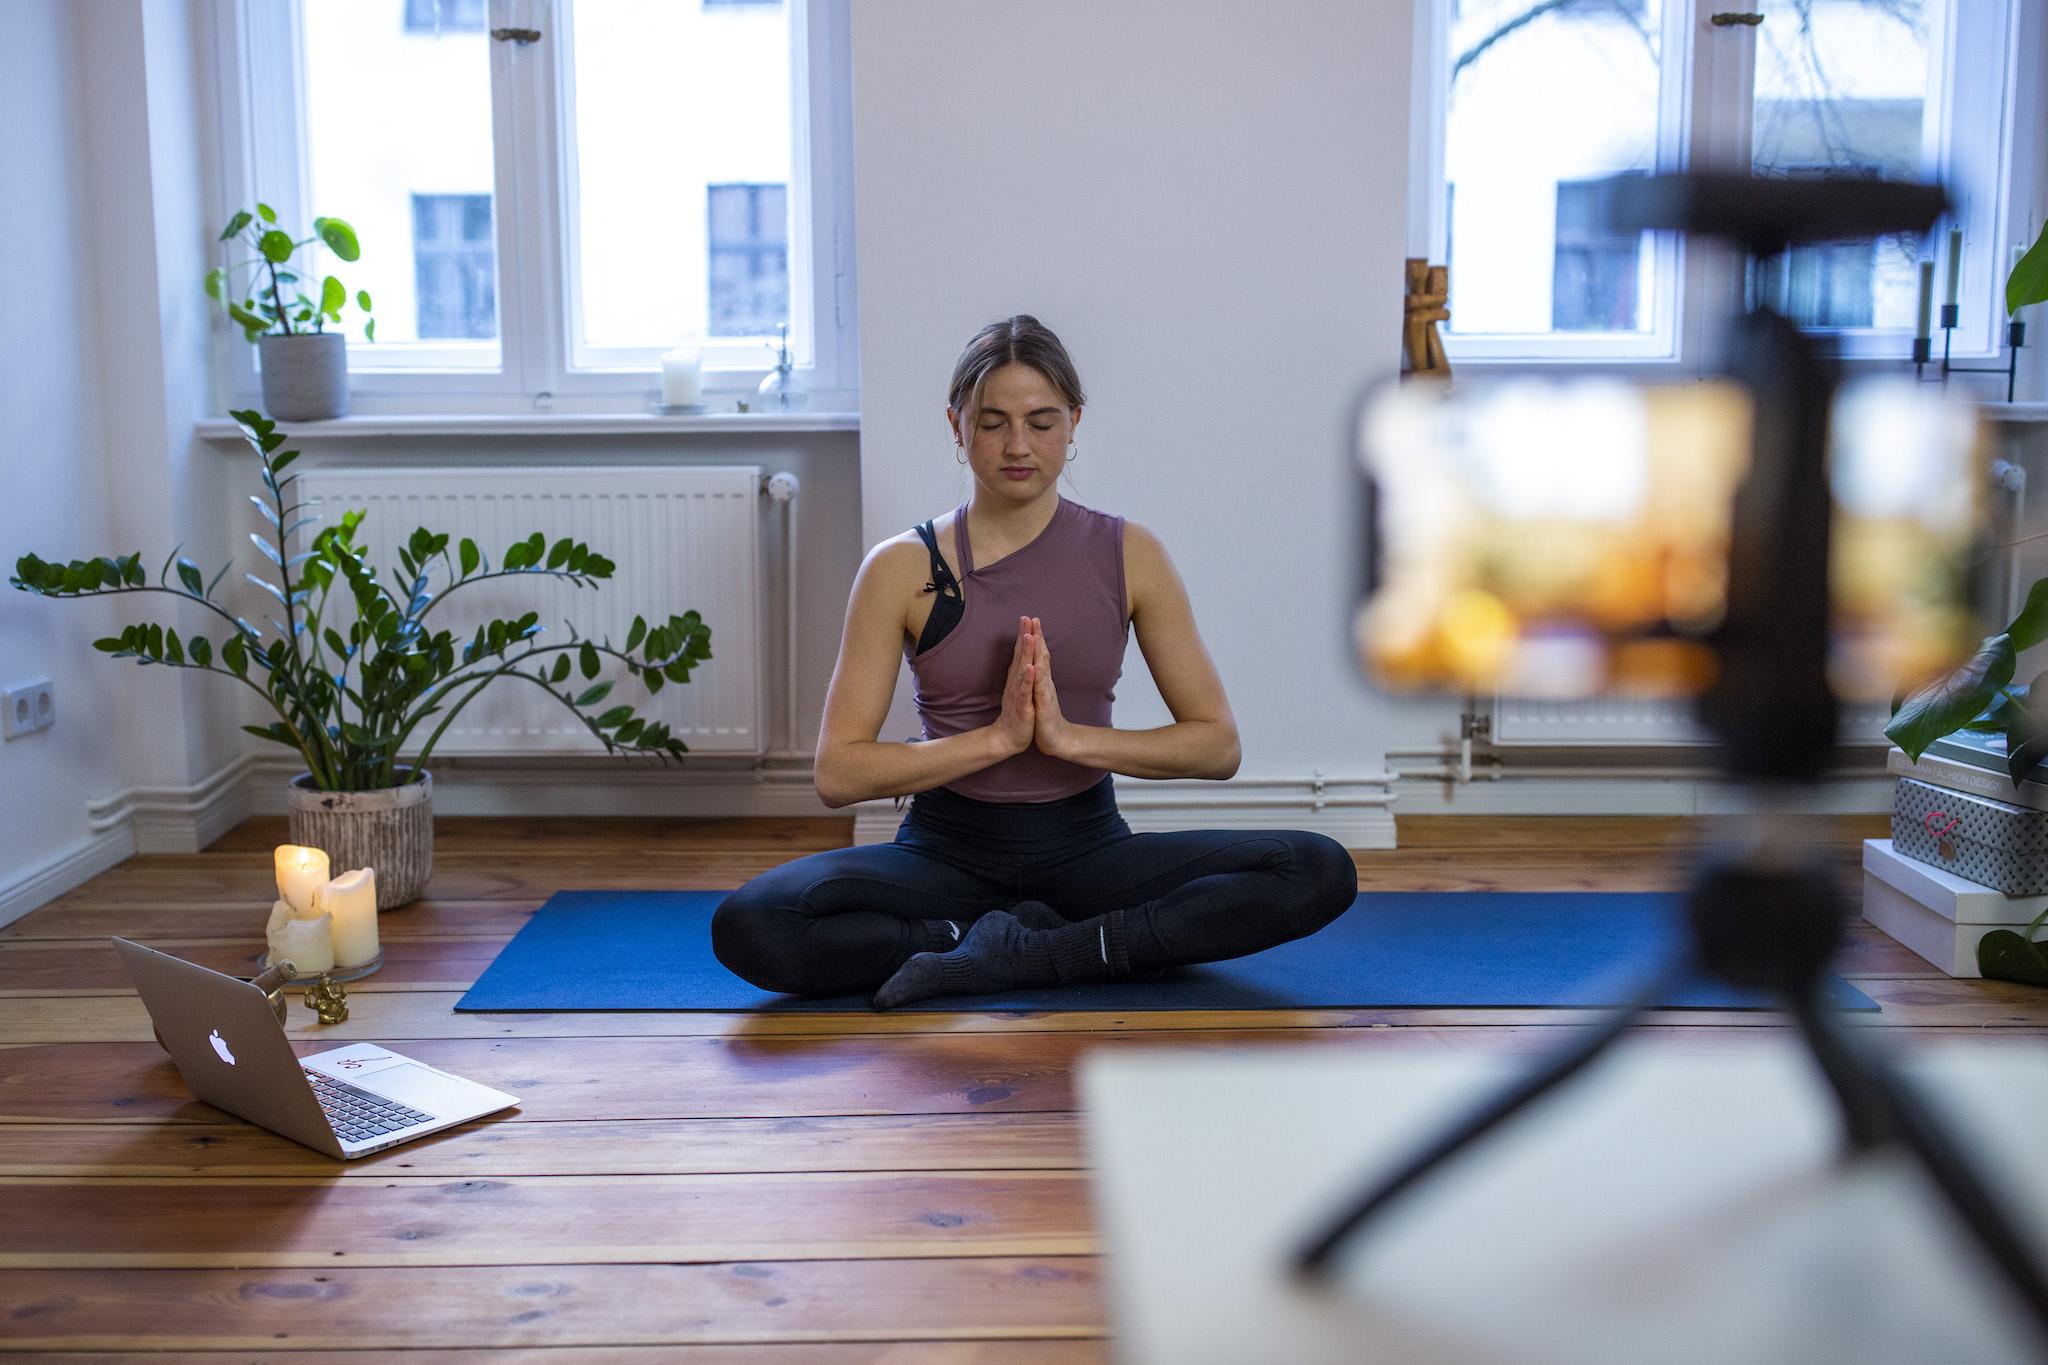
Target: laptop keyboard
{"points": [[357, 1115]]}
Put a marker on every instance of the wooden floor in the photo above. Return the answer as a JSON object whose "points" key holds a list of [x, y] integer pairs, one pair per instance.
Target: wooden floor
{"points": [[693, 1187]]}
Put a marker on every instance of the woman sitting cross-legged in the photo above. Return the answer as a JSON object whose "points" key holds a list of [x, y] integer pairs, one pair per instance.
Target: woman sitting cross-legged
{"points": [[1013, 867]]}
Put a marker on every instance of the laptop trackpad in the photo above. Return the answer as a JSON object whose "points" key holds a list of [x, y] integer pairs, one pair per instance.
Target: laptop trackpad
{"points": [[412, 1084]]}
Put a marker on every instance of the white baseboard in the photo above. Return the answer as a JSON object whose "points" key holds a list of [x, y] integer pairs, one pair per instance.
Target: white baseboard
{"points": [[72, 868], [178, 819], [1353, 820], [783, 787]]}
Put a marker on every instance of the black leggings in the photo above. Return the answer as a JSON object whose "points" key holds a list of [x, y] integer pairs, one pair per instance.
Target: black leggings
{"points": [[841, 922]]}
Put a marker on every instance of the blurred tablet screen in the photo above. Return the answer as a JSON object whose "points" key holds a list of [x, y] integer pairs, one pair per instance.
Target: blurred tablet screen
{"points": [[1568, 539]]}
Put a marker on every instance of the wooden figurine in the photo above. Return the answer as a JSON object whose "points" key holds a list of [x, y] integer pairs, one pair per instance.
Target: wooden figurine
{"points": [[1429, 290]]}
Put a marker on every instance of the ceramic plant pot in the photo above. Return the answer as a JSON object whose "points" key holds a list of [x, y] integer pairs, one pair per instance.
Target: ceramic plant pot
{"points": [[305, 377]]}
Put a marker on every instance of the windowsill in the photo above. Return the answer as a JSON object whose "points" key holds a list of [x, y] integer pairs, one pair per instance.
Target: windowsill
{"points": [[547, 424], [2014, 412]]}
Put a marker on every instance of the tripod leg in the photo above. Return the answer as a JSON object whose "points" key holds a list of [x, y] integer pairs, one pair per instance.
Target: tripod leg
{"points": [[1881, 1107], [1314, 1257]]}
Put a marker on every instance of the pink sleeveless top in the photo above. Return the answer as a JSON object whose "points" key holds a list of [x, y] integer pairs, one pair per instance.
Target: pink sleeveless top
{"points": [[1072, 578]]}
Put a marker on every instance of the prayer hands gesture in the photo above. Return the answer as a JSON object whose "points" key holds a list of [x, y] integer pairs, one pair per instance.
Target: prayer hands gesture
{"points": [[1031, 704]]}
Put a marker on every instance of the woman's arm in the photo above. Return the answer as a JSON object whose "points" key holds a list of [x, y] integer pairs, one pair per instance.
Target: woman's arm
{"points": [[851, 764], [1186, 748]]}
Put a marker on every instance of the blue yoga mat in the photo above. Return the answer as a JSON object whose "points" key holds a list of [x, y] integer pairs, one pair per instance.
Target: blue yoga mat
{"points": [[651, 950]]}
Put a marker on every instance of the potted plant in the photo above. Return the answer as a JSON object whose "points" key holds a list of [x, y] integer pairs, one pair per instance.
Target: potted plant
{"points": [[354, 698], [1979, 696], [305, 366]]}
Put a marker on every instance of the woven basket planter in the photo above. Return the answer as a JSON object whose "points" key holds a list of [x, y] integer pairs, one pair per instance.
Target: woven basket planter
{"points": [[390, 831]]}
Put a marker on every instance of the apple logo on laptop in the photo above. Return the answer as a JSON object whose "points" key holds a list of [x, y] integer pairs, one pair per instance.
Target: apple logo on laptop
{"points": [[220, 1045]]}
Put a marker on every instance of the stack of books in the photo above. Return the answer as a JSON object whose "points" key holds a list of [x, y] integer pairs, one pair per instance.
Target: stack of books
{"points": [[1968, 852]]}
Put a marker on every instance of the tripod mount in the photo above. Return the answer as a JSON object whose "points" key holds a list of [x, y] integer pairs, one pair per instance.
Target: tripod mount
{"points": [[1761, 917]]}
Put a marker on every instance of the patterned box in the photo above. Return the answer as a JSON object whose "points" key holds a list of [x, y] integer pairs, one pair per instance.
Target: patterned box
{"points": [[1991, 843]]}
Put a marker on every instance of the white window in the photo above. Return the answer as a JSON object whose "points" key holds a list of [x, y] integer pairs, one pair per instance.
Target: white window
{"points": [[1527, 103], [550, 193]]}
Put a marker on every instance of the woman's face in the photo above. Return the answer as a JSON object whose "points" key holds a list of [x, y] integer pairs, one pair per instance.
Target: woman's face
{"points": [[1023, 426]]}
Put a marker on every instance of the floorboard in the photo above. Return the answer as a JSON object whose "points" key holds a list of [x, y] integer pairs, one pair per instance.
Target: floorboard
{"points": [[705, 1187]]}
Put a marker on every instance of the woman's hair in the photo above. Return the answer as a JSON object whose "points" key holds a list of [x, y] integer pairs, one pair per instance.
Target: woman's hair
{"points": [[1020, 340]]}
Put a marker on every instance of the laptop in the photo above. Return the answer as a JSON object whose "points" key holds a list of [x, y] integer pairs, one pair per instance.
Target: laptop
{"points": [[347, 1102]]}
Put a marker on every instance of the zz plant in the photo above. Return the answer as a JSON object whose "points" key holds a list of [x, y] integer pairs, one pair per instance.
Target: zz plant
{"points": [[350, 701]]}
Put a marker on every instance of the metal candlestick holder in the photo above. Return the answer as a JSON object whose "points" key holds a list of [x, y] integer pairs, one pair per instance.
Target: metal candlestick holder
{"points": [[1923, 352]]}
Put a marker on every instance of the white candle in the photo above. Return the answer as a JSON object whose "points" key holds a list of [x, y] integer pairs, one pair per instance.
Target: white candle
{"points": [[308, 944], [1924, 328], [682, 377], [1955, 263], [352, 899], [300, 872]]}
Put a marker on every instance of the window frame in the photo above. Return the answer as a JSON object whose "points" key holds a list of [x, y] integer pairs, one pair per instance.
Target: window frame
{"points": [[1706, 115], [261, 141], [1658, 345]]}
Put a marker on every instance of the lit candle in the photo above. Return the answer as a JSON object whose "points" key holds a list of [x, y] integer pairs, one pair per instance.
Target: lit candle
{"points": [[682, 377], [1924, 328], [300, 872], [352, 899], [1955, 264], [305, 942]]}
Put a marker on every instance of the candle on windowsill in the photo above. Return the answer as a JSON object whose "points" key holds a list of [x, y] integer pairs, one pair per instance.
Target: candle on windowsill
{"points": [[351, 899], [682, 377], [1923, 327], [1955, 265], [300, 872]]}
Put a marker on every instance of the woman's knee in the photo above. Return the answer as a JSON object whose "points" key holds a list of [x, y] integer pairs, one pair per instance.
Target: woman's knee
{"points": [[748, 938], [1329, 878]]}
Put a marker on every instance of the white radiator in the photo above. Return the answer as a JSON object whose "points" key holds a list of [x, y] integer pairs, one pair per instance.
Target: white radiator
{"points": [[680, 539], [1599, 722]]}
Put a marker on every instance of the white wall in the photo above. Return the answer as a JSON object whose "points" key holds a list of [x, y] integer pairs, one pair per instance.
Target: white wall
{"points": [[105, 371], [1206, 202], [51, 431]]}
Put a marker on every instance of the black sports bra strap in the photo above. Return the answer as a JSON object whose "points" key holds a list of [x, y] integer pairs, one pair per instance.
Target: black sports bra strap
{"points": [[943, 582]]}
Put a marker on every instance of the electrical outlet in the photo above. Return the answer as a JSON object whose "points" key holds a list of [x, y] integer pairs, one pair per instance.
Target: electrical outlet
{"points": [[27, 709]]}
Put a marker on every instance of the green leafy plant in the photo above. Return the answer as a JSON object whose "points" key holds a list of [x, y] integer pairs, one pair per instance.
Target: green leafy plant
{"points": [[1980, 696], [350, 701], [2003, 955], [263, 309], [2028, 282]]}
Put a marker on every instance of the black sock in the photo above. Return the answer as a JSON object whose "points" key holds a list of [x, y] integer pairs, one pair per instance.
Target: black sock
{"points": [[999, 954]]}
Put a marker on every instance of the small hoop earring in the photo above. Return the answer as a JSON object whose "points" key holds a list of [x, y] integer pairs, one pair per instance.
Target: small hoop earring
{"points": [[961, 458], [1073, 452]]}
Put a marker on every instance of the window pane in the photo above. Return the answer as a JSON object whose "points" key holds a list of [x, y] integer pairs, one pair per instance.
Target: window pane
{"points": [[749, 276], [1841, 90], [430, 16], [398, 131], [681, 122], [451, 244], [1545, 98]]}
